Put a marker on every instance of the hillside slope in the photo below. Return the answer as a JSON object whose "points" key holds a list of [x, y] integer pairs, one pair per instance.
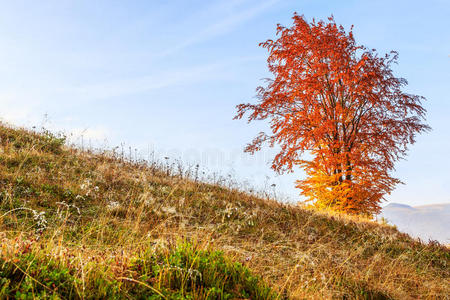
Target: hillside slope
{"points": [[80, 225]]}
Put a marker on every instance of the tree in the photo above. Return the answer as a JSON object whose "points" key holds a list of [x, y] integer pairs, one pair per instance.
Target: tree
{"points": [[337, 111]]}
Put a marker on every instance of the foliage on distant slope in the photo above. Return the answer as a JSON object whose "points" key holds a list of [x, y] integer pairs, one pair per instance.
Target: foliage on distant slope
{"points": [[91, 217]]}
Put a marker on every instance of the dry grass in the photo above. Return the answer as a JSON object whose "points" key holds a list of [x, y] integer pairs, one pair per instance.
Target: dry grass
{"points": [[97, 213]]}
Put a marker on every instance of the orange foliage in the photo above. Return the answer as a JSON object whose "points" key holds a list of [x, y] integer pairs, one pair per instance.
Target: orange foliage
{"points": [[340, 104]]}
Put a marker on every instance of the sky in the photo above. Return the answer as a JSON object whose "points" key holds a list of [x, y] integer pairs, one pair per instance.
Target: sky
{"points": [[165, 76]]}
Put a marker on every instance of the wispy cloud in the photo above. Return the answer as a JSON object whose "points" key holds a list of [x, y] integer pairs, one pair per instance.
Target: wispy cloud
{"points": [[19, 107], [142, 84], [223, 26], [28, 106], [164, 79], [95, 134]]}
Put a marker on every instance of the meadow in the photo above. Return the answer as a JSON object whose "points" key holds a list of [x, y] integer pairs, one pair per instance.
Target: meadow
{"points": [[95, 224]]}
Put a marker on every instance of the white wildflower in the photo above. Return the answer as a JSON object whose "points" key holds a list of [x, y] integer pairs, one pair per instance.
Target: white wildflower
{"points": [[79, 197], [169, 210], [113, 205]]}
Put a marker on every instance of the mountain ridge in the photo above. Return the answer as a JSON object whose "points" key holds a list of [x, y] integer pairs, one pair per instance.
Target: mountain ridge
{"points": [[427, 222]]}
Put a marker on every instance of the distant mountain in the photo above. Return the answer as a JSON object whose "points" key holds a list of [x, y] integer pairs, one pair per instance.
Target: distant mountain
{"points": [[427, 222]]}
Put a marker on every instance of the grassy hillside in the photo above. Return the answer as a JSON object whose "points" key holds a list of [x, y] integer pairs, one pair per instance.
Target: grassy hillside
{"points": [[75, 224]]}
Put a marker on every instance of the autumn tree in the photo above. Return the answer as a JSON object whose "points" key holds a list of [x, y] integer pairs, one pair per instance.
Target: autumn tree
{"points": [[337, 111]]}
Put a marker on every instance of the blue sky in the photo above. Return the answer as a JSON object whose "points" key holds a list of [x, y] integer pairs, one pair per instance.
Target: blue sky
{"points": [[166, 75]]}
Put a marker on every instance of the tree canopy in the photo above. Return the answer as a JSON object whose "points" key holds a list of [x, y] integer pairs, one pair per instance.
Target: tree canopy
{"points": [[339, 103]]}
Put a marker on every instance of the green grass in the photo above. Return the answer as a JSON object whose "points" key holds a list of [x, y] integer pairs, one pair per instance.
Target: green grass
{"points": [[182, 272]]}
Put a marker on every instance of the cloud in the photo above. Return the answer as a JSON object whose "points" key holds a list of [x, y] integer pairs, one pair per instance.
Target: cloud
{"points": [[18, 108], [95, 134], [123, 87], [221, 27], [144, 83], [14, 115]]}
